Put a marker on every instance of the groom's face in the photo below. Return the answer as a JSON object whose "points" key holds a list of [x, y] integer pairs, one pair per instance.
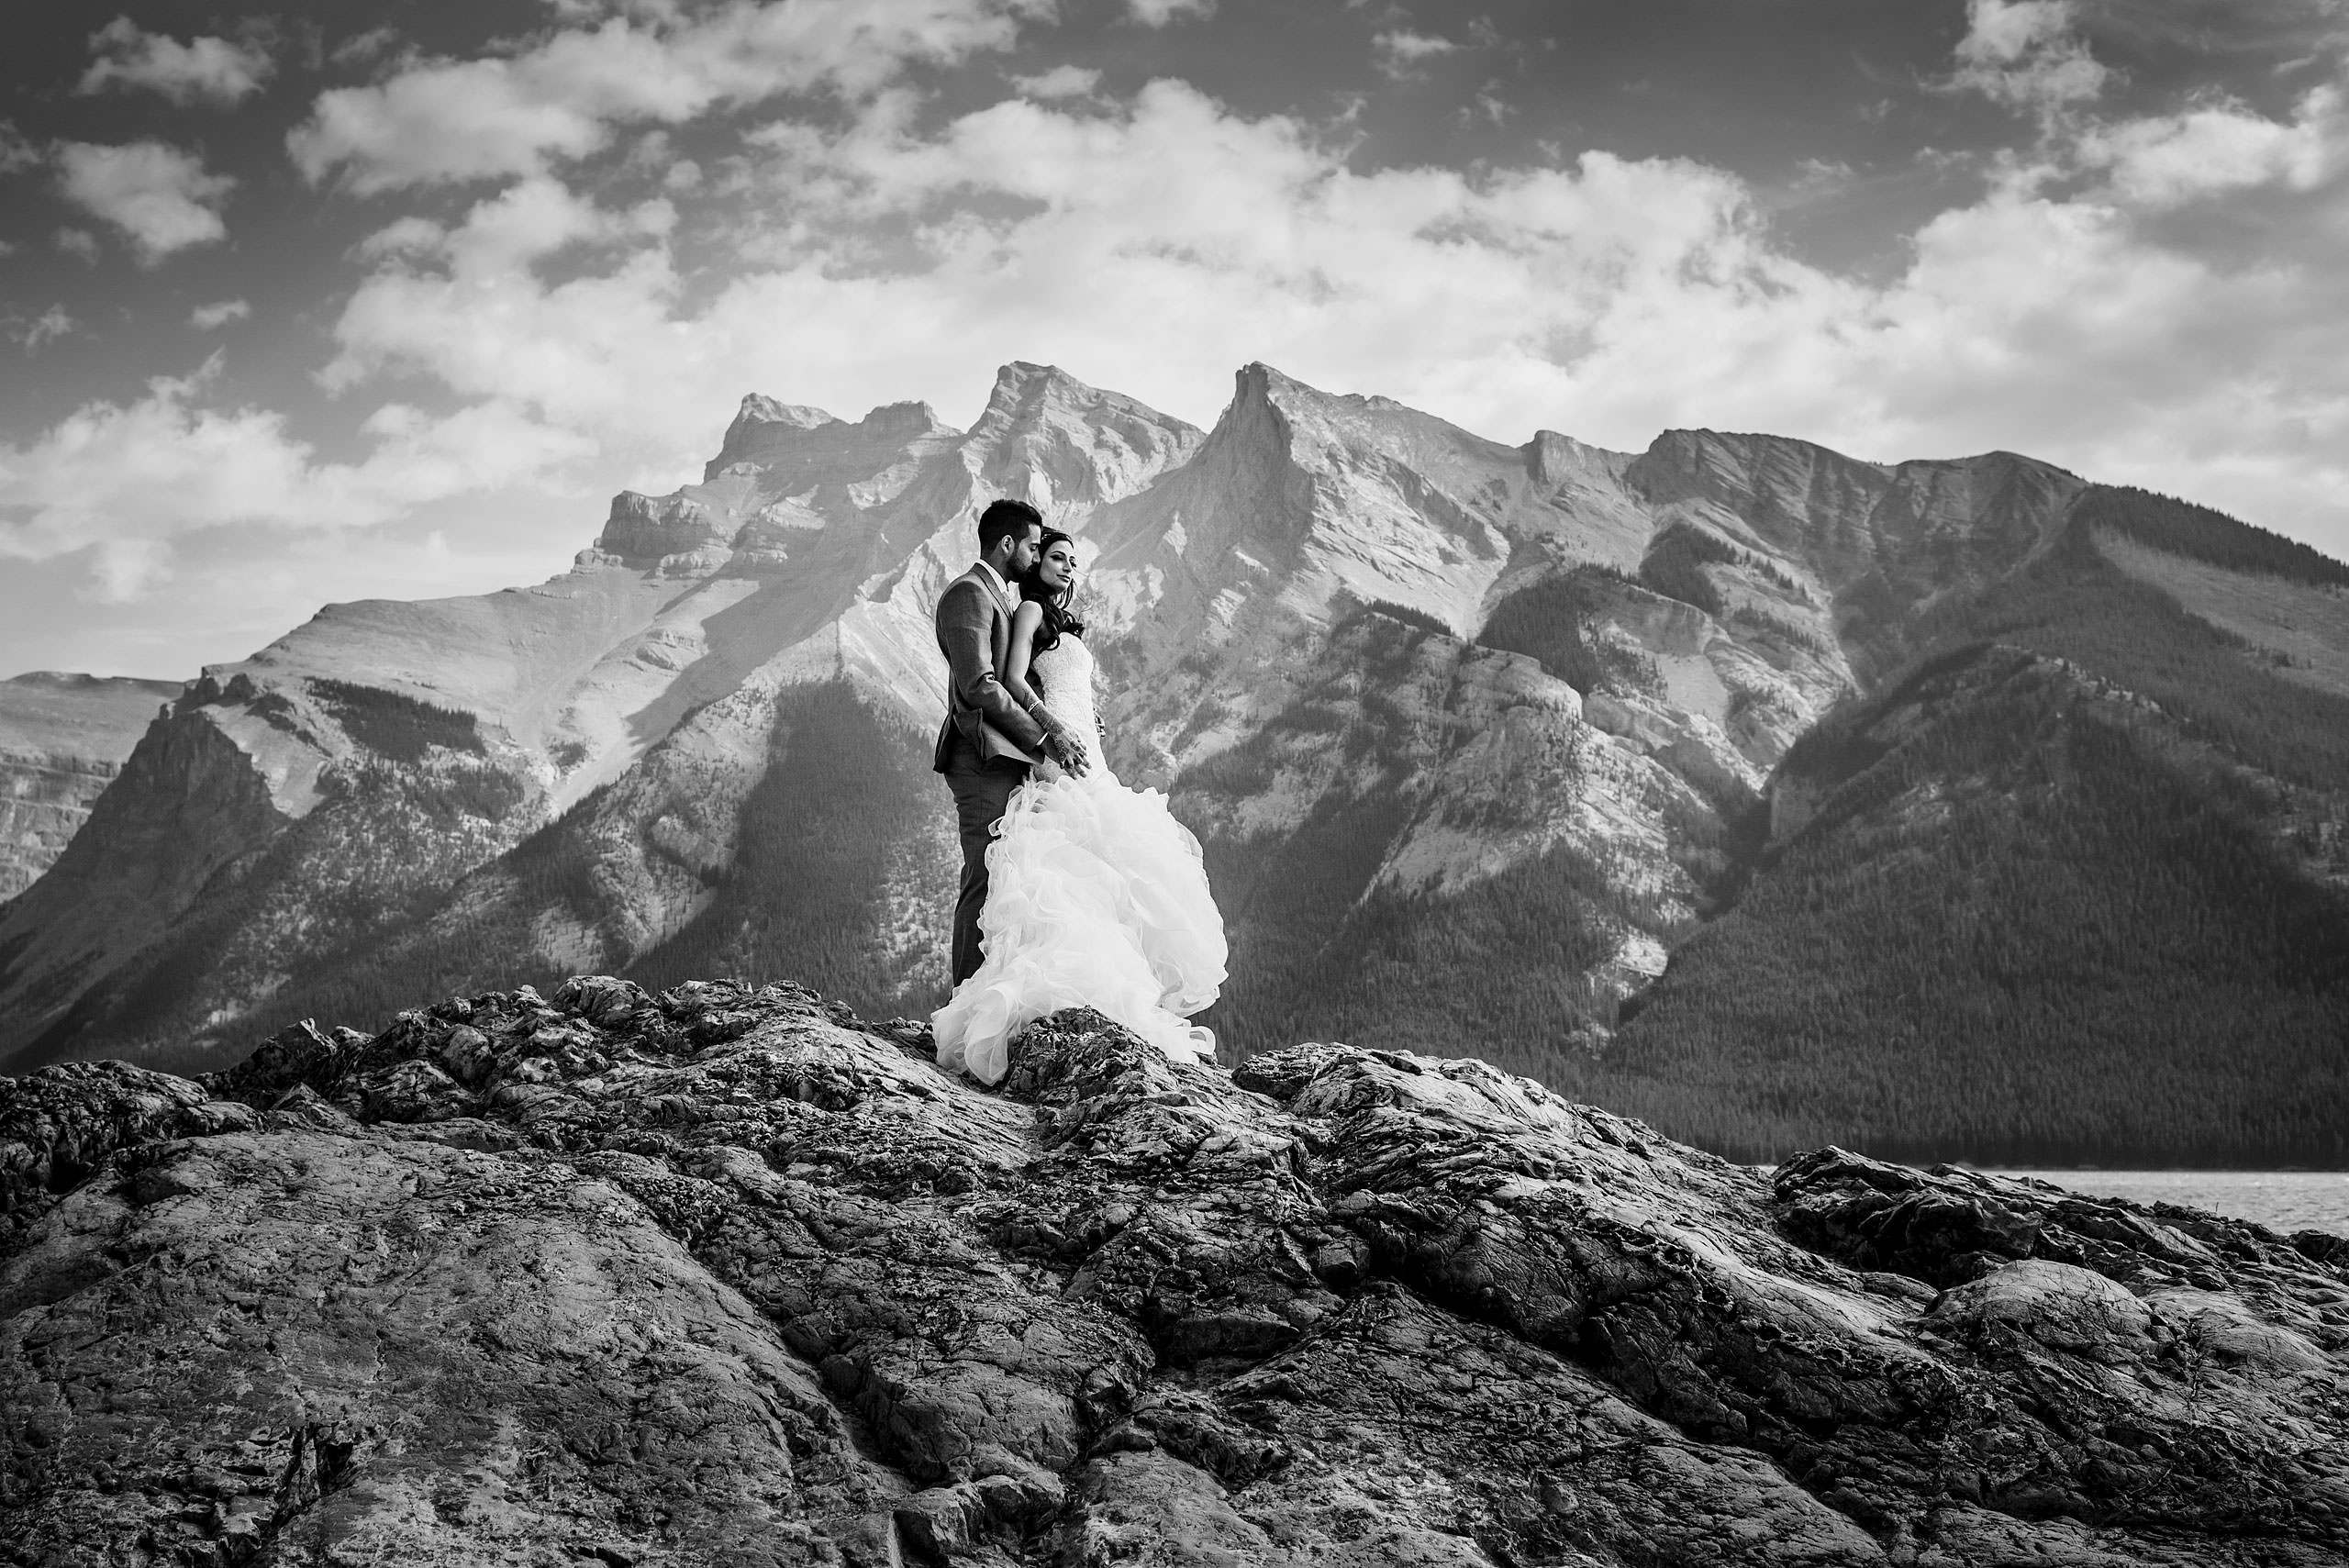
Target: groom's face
{"points": [[1023, 551]]}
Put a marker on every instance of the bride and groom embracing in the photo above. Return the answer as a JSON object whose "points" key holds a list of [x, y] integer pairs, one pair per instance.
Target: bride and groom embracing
{"points": [[1076, 890]]}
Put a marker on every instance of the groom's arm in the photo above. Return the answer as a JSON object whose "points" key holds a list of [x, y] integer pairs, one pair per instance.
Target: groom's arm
{"points": [[970, 664]]}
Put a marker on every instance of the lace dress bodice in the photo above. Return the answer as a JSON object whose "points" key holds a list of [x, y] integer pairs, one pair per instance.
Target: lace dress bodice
{"points": [[1063, 678]]}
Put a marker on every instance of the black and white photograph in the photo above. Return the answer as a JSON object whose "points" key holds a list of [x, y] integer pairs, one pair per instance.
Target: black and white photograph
{"points": [[1174, 783]]}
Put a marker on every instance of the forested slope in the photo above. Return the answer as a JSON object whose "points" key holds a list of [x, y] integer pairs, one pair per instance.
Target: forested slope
{"points": [[2070, 889]]}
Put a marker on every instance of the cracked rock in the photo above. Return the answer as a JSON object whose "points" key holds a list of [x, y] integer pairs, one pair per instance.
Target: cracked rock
{"points": [[724, 1276]]}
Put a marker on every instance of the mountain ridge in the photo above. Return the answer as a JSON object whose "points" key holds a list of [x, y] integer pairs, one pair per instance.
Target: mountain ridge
{"points": [[1399, 674]]}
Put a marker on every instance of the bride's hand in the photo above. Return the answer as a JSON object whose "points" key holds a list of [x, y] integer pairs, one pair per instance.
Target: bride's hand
{"points": [[1069, 752]]}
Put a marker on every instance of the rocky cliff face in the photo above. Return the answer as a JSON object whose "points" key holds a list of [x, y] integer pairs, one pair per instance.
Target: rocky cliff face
{"points": [[720, 1275], [63, 739]]}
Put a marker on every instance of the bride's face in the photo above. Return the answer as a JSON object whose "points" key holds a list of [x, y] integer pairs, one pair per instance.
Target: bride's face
{"points": [[1057, 569]]}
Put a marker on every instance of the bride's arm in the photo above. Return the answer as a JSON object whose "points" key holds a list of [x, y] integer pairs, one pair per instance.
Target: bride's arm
{"points": [[1064, 748], [1021, 654]]}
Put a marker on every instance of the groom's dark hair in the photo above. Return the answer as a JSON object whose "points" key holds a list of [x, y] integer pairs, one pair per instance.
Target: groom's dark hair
{"points": [[1005, 518]]}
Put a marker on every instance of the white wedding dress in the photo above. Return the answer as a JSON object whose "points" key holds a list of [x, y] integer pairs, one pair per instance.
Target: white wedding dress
{"points": [[1097, 898]]}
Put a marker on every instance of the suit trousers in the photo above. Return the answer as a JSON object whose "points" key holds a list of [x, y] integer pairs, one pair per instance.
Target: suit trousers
{"points": [[981, 789]]}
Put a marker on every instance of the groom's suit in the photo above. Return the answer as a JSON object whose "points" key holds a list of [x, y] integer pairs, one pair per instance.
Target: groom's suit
{"points": [[988, 740]]}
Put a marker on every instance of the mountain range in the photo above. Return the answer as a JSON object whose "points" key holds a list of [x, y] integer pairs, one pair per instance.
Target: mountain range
{"points": [[1940, 807]]}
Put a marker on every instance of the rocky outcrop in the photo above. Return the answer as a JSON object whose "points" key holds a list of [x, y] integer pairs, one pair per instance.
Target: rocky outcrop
{"points": [[723, 1275], [62, 740]]}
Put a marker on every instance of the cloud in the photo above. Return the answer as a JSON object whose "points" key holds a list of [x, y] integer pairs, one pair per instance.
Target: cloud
{"points": [[203, 68], [159, 196], [1160, 13], [79, 242], [2025, 53], [1059, 81], [128, 484], [1166, 240], [2221, 146], [16, 153], [31, 332], [558, 101], [1154, 244], [1400, 52], [360, 47], [209, 317]]}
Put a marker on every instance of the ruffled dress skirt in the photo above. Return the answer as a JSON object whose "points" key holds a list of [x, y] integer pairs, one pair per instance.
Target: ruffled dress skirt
{"points": [[1097, 898]]}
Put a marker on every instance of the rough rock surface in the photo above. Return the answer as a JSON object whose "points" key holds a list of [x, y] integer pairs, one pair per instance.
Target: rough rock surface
{"points": [[725, 1277]]}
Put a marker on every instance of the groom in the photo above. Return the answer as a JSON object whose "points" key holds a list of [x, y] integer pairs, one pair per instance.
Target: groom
{"points": [[990, 739]]}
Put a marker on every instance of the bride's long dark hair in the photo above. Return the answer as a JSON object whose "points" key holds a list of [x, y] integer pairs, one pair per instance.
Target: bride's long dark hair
{"points": [[1057, 618]]}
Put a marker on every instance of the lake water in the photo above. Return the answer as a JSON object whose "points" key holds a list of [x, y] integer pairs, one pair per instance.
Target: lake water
{"points": [[2282, 1200]]}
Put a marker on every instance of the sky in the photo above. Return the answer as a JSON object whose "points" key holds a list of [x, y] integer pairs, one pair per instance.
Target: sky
{"points": [[349, 302]]}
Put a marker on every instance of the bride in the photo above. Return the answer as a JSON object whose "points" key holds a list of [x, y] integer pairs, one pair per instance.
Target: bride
{"points": [[1096, 896]]}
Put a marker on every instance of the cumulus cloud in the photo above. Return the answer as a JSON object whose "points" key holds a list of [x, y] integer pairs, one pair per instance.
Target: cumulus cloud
{"points": [[561, 98], [128, 483], [2165, 161], [1158, 244], [79, 242], [210, 317], [2027, 53], [160, 198], [1400, 52], [203, 68]]}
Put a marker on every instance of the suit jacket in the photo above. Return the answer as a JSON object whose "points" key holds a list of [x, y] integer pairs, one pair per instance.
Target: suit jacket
{"points": [[974, 633]]}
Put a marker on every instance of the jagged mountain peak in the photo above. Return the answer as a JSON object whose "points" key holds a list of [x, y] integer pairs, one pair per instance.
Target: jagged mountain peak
{"points": [[760, 410], [1027, 394], [802, 444], [910, 417], [1319, 426], [1559, 451], [1023, 381], [1068, 446], [1306, 501]]}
